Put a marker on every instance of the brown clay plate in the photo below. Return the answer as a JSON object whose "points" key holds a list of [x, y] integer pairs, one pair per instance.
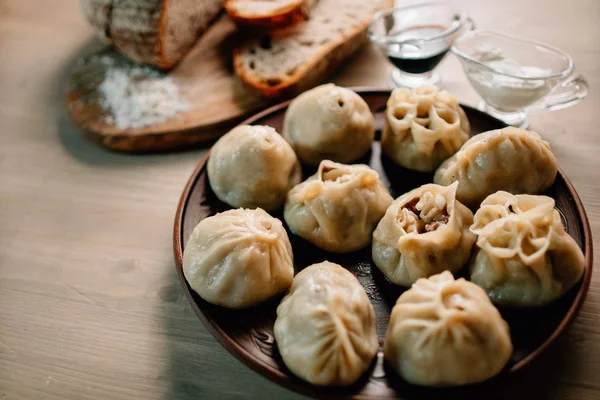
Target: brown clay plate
{"points": [[248, 334]]}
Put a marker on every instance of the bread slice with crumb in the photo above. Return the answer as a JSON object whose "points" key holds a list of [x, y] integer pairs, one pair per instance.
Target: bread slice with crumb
{"points": [[268, 14], [287, 62], [155, 32]]}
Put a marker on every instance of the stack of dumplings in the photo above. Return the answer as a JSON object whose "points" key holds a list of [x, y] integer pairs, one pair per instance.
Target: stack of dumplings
{"points": [[483, 216]]}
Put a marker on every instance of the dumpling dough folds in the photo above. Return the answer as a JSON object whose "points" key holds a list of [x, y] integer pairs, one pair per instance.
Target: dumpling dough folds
{"points": [[423, 232], [329, 123], [253, 166], [239, 258], [325, 327], [523, 256], [446, 332], [424, 126], [510, 159], [337, 208]]}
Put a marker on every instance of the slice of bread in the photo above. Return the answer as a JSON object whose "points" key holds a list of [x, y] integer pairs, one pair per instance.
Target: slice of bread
{"points": [[155, 32], [289, 61], [268, 14]]}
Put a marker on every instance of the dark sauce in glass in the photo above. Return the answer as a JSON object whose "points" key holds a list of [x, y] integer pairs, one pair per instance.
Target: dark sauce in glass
{"points": [[418, 59]]}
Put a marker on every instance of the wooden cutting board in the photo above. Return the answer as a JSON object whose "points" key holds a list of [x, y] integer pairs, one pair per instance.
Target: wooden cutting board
{"points": [[205, 78]]}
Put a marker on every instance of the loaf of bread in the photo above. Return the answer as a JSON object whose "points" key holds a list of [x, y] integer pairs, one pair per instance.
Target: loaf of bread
{"points": [[268, 14], [155, 32], [289, 61]]}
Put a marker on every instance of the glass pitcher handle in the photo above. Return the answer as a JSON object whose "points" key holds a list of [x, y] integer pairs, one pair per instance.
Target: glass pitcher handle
{"points": [[568, 93], [470, 24]]}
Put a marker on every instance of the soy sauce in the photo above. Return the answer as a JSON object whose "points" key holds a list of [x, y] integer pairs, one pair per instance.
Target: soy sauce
{"points": [[418, 59], [417, 65]]}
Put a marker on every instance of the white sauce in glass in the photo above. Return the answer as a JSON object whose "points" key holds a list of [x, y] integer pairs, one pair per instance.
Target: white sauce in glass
{"points": [[507, 93]]}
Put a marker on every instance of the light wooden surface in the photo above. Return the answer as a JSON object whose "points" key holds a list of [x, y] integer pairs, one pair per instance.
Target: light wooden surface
{"points": [[90, 307]]}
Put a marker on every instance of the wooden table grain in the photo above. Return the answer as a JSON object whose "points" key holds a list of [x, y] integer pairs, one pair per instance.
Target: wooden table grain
{"points": [[90, 307]]}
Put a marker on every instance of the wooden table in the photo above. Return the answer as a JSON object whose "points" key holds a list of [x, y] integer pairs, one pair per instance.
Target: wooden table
{"points": [[90, 306]]}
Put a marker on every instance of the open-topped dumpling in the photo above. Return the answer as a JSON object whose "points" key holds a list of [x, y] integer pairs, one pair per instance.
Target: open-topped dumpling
{"points": [[337, 208], [424, 126], [523, 256], [423, 232]]}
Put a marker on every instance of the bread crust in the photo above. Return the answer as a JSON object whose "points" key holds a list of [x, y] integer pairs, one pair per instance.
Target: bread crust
{"points": [[312, 71], [284, 17], [138, 35], [137, 28], [98, 14]]}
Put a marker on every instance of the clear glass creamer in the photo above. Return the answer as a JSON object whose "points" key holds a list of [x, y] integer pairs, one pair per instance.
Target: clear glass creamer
{"points": [[515, 77]]}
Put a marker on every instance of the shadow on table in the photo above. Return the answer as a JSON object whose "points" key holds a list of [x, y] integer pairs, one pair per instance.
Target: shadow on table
{"points": [[198, 366]]}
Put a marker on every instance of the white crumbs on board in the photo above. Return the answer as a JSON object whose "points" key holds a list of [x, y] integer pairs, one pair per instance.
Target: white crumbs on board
{"points": [[138, 96]]}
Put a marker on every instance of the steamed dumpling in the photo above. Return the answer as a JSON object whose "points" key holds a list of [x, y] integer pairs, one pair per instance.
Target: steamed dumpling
{"points": [[329, 123], [325, 327], [239, 258], [423, 232], [337, 208], [446, 332], [424, 126], [523, 256], [253, 166], [510, 159]]}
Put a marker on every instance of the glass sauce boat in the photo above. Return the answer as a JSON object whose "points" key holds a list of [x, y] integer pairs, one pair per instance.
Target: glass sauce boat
{"points": [[515, 77]]}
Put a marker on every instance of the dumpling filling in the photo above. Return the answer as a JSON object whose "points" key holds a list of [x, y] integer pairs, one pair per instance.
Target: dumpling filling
{"points": [[333, 174], [330, 173], [423, 232], [338, 208], [424, 214]]}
